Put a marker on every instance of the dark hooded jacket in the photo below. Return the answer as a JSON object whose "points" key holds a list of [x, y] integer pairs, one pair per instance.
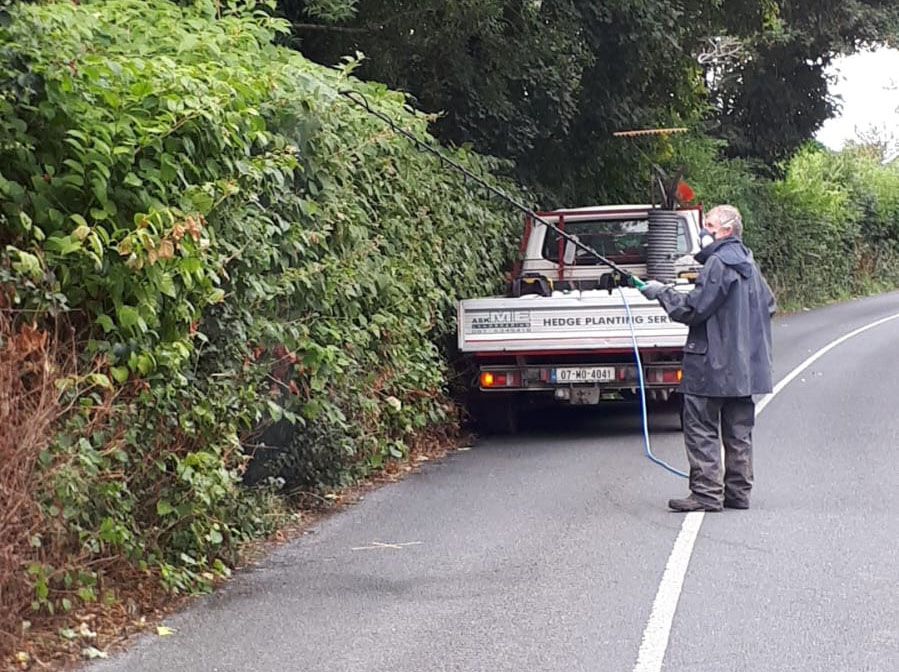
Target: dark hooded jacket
{"points": [[728, 350]]}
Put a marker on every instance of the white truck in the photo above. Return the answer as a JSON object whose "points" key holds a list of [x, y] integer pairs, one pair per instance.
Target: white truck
{"points": [[561, 334]]}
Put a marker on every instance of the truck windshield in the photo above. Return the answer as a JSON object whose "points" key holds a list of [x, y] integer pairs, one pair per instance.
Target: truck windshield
{"points": [[620, 240]]}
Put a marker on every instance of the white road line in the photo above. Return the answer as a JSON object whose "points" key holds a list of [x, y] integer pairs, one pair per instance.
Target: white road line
{"points": [[658, 630], [814, 358], [655, 636]]}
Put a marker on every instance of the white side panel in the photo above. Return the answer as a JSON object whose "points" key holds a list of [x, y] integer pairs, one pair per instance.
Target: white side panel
{"points": [[592, 320]]}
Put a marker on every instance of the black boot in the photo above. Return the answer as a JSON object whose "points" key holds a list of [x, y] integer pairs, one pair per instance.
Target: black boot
{"points": [[692, 504], [736, 503]]}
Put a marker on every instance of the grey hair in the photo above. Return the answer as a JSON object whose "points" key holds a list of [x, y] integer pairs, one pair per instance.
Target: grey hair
{"points": [[728, 215]]}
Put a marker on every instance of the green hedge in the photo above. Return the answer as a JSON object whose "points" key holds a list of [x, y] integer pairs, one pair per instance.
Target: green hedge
{"points": [[236, 248], [827, 230]]}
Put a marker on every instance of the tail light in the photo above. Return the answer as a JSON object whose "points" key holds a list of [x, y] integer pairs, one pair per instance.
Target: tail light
{"points": [[490, 379], [494, 379], [670, 376]]}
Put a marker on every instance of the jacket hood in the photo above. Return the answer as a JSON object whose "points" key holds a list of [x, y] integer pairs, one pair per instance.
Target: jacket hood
{"points": [[731, 252]]}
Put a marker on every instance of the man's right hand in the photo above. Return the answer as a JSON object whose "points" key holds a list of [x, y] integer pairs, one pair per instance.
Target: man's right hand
{"points": [[652, 289]]}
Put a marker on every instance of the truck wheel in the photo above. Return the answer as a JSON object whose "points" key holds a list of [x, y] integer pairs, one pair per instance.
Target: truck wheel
{"points": [[498, 414]]}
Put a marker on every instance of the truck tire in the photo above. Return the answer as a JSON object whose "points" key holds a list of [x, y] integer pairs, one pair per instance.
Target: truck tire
{"points": [[498, 414]]}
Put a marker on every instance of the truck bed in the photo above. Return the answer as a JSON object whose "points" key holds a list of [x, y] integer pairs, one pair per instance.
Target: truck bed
{"points": [[593, 320]]}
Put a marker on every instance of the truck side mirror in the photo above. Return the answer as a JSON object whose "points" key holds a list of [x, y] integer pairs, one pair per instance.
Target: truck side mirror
{"points": [[570, 253]]}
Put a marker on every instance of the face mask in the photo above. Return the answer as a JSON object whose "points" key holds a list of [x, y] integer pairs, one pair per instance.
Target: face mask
{"points": [[705, 238]]}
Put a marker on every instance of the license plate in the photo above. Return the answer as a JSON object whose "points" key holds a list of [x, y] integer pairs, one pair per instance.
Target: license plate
{"points": [[584, 374]]}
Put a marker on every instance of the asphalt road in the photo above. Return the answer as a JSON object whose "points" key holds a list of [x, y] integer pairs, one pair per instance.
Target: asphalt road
{"points": [[545, 552]]}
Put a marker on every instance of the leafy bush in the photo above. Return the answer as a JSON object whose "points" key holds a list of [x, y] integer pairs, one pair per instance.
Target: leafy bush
{"points": [[233, 245], [829, 229]]}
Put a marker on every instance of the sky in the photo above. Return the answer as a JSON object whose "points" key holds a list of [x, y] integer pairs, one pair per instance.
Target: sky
{"points": [[863, 81]]}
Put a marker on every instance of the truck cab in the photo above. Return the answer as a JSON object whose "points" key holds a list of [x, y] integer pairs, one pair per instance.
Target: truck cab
{"points": [[617, 232]]}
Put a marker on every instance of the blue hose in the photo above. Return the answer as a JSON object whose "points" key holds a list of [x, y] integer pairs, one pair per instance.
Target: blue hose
{"points": [[646, 444]]}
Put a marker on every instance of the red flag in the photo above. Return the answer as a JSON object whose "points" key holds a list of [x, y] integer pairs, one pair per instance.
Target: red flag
{"points": [[684, 193]]}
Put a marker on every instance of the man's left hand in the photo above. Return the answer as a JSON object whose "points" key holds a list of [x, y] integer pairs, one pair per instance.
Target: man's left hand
{"points": [[652, 289]]}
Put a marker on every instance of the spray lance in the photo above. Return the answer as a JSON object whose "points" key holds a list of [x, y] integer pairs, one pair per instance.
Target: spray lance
{"points": [[359, 99]]}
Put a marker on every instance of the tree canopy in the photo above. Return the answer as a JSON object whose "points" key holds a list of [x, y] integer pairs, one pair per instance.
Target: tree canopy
{"points": [[545, 82], [781, 74]]}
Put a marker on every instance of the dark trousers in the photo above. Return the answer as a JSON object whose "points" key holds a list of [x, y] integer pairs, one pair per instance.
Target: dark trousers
{"points": [[702, 418]]}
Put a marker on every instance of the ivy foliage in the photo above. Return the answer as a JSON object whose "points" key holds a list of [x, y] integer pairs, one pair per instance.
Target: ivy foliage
{"points": [[236, 247]]}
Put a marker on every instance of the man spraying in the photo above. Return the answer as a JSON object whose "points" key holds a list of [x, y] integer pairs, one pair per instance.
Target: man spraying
{"points": [[727, 359]]}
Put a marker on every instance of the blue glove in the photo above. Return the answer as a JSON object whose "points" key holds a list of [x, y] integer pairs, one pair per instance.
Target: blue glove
{"points": [[652, 289]]}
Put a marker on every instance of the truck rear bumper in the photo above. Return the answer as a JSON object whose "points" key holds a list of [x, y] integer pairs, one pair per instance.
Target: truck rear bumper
{"points": [[570, 376]]}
